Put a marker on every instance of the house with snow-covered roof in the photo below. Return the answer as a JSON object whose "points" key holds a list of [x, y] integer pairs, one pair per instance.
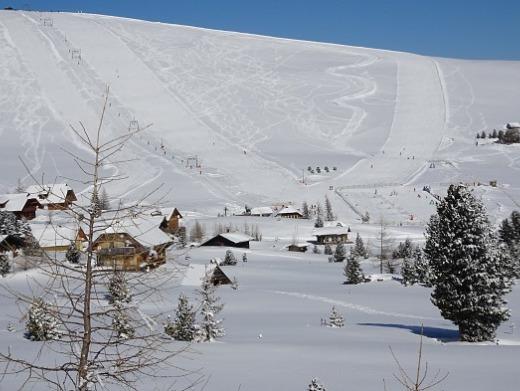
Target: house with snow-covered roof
{"points": [[229, 239], [132, 244], [172, 220], [22, 205], [289, 212], [57, 237], [54, 196], [331, 235]]}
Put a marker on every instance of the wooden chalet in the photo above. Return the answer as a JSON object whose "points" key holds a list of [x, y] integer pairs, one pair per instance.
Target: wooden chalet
{"points": [[132, 245], [298, 247], [58, 196], [57, 237], [172, 221], [22, 205], [331, 235], [229, 239], [289, 212]]}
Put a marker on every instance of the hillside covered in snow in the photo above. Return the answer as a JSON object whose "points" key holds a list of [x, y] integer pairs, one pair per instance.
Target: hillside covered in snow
{"points": [[239, 119]]}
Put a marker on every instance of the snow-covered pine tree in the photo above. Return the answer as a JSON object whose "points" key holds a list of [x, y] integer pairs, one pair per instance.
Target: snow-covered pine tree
{"points": [[509, 233], [118, 288], [316, 386], [329, 214], [229, 258], [5, 265], [471, 272], [359, 247], [422, 268], [305, 210], [336, 319], [341, 253], [210, 327], [327, 250], [96, 204], [408, 272], [121, 322], [353, 271], [41, 324], [183, 327], [318, 223], [72, 255], [9, 225], [104, 200]]}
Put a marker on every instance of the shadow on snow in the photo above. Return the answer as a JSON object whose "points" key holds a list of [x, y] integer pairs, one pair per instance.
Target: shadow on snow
{"points": [[444, 335]]}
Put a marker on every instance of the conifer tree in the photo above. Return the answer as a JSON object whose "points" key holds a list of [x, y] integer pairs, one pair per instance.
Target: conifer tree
{"points": [[422, 268], [72, 254], [353, 271], [408, 272], [197, 233], [329, 215], [471, 272], [183, 327], [118, 288], [319, 217], [229, 258], [359, 248], [104, 200], [121, 322], [210, 327], [316, 250], [41, 324], [336, 319], [10, 225], [316, 386], [305, 210], [341, 253], [5, 266]]}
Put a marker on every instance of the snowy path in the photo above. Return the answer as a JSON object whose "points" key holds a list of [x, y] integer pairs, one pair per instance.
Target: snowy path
{"points": [[355, 307]]}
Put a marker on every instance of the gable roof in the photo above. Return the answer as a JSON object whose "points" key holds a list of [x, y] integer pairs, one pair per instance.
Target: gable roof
{"points": [[54, 235], [289, 210], [144, 230], [15, 202], [262, 210], [236, 237], [325, 231], [50, 194]]}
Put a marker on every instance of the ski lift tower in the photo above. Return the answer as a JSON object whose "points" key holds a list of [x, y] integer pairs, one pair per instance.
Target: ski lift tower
{"points": [[133, 126]]}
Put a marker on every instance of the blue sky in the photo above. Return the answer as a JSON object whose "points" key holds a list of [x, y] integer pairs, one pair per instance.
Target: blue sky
{"points": [[487, 29]]}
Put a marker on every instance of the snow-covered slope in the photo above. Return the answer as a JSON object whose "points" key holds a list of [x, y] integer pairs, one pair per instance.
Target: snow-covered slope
{"points": [[256, 111]]}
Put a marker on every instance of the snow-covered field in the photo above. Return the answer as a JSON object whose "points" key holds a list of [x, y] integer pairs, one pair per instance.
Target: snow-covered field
{"points": [[256, 112]]}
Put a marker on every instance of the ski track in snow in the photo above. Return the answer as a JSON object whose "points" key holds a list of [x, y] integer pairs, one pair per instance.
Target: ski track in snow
{"points": [[356, 307]]}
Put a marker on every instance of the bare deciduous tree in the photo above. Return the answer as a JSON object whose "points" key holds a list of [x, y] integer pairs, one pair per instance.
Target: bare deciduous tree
{"points": [[90, 350]]}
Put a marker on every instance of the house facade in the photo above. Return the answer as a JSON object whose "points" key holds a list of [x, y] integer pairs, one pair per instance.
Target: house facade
{"points": [[331, 235], [57, 196], [22, 205], [229, 239], [172, 221]]}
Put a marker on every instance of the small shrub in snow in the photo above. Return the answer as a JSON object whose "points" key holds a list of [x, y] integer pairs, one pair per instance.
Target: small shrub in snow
{"points": [[41, 325], [229, 258], [327, 250], [316, 386], [316, 250], [244, 257], [5, 265], [72, 254], [408, 273], [336, 319], [182, 328]]}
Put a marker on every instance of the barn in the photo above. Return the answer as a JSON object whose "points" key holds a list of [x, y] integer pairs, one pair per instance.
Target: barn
{"points": [[229, 239], [22, 205], [172, 221], [56, 196]]}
